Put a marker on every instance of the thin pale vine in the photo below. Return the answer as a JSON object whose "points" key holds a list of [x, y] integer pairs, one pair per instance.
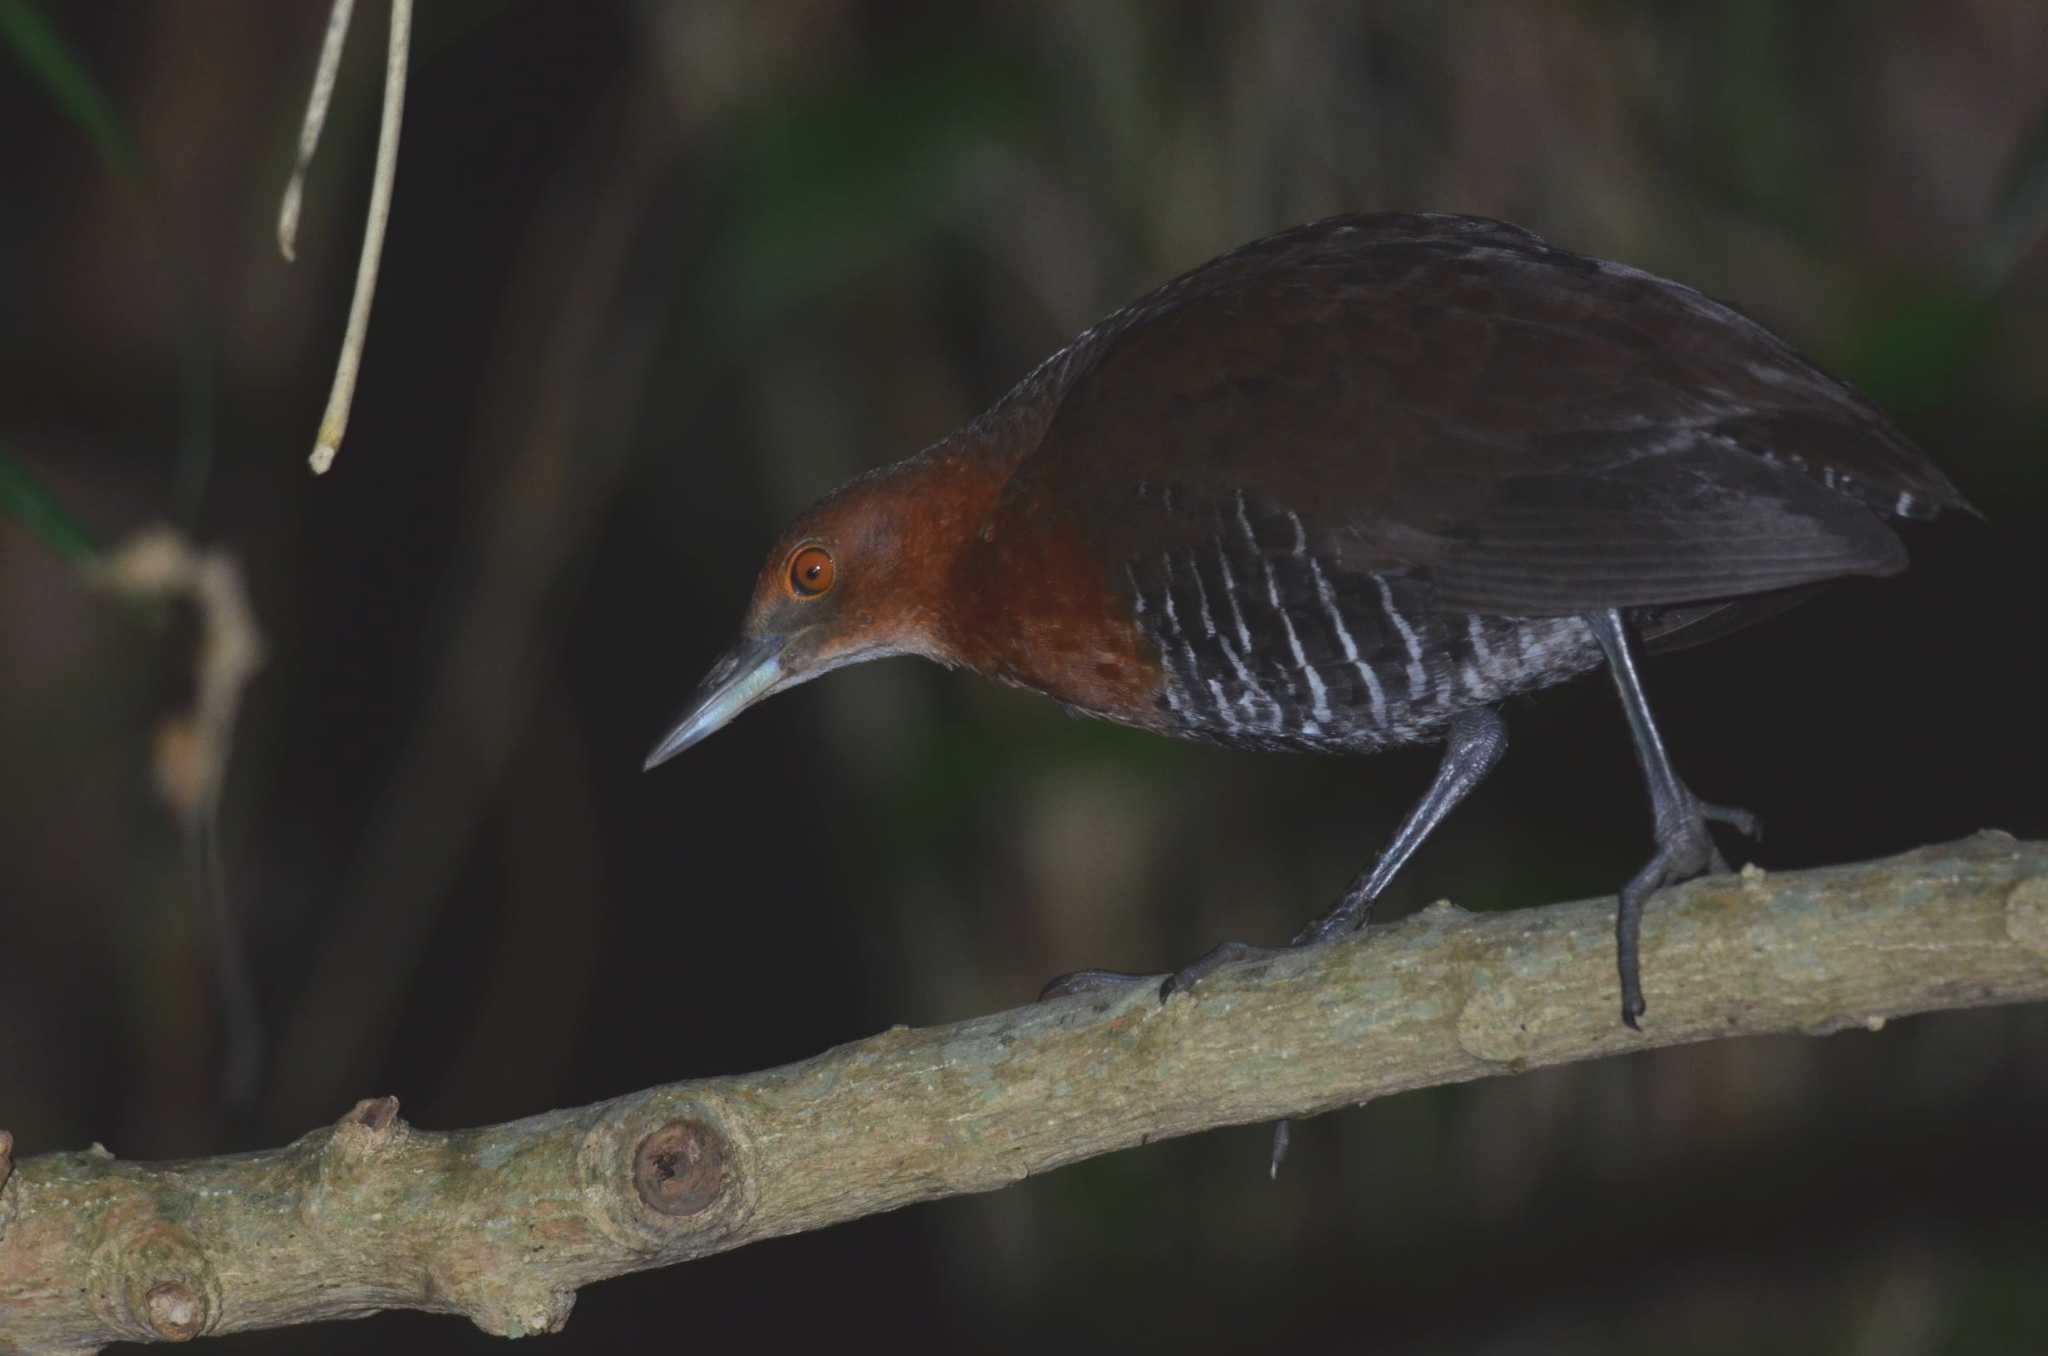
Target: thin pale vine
{"points": [[334, 422], [317, 104]]}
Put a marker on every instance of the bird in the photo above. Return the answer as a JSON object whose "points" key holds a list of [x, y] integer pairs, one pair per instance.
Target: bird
{"points": [[1349, 487]]}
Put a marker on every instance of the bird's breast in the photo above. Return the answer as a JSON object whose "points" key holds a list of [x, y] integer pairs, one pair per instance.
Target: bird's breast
{"points": [[1033, 605]]}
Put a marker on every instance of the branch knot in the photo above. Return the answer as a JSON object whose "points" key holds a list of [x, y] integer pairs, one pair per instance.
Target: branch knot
{"points": [[150, 1280], [6, 1171], [668, 1173], [2026, 914], [679, 1169]]}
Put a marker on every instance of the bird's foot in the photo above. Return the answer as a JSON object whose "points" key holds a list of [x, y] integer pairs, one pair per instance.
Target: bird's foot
{"points": [[1095, 981], [1229, 953], [1087, 981], [1212, 960], [1685, 849], [1347, 917]]}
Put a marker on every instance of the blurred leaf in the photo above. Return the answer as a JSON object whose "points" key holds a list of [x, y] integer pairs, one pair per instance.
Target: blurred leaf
{"points": [[23, 497], [1730, 122], [42, 50], [2022, 210], [819, 189], [1916, 352]]}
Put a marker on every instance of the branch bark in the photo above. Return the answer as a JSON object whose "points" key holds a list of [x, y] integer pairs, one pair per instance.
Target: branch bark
{"points": [[503, 1224]]}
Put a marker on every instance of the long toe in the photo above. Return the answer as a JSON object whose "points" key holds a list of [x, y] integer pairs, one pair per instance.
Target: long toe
{"points": [[1087, 981], [1685, 849], [1229, 953], [1740, 820]]}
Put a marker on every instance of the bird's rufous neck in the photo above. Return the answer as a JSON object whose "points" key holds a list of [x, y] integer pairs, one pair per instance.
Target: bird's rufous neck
{"points": [[938, 504], [1002, 583]]}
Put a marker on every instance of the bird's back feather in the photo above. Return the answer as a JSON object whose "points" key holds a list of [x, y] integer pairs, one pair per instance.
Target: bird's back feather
{"points": [[1534, 431]]}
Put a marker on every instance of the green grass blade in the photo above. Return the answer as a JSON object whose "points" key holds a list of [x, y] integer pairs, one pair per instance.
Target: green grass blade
{"points": [[42, 51], [23, 497]]}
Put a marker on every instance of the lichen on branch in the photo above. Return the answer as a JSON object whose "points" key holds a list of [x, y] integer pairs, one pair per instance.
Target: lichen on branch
{"points": [[504, 1224]]}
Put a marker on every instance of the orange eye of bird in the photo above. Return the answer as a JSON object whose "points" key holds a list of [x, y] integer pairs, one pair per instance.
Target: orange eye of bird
{"points": [[810, 572]]}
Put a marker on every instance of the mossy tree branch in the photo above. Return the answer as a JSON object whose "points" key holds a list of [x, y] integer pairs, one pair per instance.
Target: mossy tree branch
{"points": [[504, 1224]]}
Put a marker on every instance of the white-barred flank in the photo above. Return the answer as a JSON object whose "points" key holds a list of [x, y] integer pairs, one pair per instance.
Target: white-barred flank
{"points": [[1376, 692], [1248, 685], [1311, 656], [1418, 675]]}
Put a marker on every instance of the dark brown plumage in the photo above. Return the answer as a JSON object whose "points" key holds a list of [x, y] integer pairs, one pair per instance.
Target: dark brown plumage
{"points": [[1349, 487]]}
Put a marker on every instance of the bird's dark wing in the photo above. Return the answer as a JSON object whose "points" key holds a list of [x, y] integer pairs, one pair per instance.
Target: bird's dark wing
{"points": [[1535, 432]]}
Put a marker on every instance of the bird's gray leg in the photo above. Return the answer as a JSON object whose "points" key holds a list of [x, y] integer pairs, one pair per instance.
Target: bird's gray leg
{"points": [[1684, 848], [1476, 742]]}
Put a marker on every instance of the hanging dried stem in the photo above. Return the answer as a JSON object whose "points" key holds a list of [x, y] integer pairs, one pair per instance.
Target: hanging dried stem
{"points": [[334, 423], [309, 131]]}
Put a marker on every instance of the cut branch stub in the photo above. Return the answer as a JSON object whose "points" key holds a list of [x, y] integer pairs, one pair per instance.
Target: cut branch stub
{"points": [[374, 1113], [671, 1172], [347, 1169], [149, 1279], [174, 1313], [6, 1171], [680, 1168], [2026, 922]]}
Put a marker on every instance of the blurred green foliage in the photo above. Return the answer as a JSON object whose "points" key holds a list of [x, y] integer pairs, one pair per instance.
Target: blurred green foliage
{"points": [[29, 503], [36, 43], [820, 185]]}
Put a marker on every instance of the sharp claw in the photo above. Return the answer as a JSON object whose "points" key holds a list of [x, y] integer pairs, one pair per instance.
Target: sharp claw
{"points": [[1632, 1004]]}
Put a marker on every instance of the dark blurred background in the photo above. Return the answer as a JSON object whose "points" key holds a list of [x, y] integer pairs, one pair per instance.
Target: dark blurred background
{"points": [[658, 274]]}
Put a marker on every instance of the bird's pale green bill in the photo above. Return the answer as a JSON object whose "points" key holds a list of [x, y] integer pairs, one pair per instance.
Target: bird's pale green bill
{"points": [[749, 671]]}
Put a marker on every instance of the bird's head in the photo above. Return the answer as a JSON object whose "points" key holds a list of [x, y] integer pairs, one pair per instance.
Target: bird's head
{"points": [[860, 575]]}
